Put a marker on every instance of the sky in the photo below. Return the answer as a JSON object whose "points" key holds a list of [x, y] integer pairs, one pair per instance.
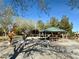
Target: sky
{"points": [[58, 9]]}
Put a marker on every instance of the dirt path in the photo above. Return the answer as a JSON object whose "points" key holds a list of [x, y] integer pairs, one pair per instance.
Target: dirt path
{"points": [[66, 42], [63, 48]]}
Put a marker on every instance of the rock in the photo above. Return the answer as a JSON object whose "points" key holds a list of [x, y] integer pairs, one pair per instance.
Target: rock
{"points": [[20, 56], [38, 49]]}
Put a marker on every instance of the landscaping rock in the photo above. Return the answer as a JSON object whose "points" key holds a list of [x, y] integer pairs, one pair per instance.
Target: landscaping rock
{"points": [[38, 49]]}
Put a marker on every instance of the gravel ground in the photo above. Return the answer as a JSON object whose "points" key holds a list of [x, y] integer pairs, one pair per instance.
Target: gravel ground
{"points": [[39, 49]]}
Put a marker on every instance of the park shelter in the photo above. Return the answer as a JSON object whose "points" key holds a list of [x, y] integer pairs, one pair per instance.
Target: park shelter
{"points": [[54, 31]]}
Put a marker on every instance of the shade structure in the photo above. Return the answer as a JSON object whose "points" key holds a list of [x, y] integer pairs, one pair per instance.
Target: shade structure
{"points": [[53, 29], [35, 31]]}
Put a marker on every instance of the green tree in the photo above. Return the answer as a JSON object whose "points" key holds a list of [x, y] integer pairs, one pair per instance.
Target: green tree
{"points": [[47, 25], [53, 22], [65, 24], [40, 25]]}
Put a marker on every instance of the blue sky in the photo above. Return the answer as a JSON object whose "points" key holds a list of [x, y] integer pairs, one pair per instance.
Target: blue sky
{"points": [[59, 9]]}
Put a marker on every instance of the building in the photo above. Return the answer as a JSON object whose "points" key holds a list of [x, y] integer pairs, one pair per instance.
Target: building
{"points": [[53, 32]]}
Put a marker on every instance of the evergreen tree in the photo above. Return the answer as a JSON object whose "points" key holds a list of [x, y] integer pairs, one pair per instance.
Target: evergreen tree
{"points": [[64, 24], [40, 25], [53, 22]]}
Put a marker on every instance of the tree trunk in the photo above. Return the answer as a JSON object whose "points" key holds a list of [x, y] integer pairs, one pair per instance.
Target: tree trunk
{"points": [[4, 32]]}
